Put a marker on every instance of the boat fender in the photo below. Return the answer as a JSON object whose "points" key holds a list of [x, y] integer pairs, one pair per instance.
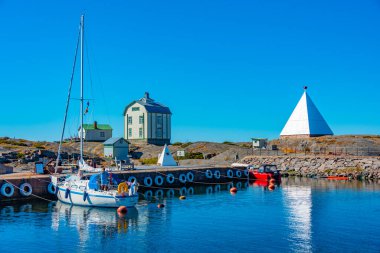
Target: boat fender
{"points": [[122, 210], [271, 187], [159, 180], [170, 178], [85, 196], [160, 206], [67, 193], [182, 197], [51, 188], [122, 187], [170, 193], [7, 190], [208, 173], [272, 181], [148, 195], [217, 174], [159, 194], [238, 173], [190, 176], [26, 189], [182, 178], [132, 179], [190, 191], [148, 181], [183, 191], [230, 174]]}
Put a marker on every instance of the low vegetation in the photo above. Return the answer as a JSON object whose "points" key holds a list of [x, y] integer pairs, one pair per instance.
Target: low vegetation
{"points": [[146, 161]]}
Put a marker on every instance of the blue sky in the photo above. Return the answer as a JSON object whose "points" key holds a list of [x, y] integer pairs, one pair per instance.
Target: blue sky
{"points": [[229, 70]]}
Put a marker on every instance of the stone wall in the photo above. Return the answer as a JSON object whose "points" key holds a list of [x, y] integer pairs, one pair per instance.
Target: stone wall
{"points": [[354, 167]]}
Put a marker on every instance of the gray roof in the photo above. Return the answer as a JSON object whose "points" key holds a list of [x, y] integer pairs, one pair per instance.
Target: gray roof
{"points": [[150, 105], [113, 140]]}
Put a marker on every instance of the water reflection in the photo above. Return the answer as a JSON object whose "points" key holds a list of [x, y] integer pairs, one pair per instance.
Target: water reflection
{"points": [[87, 220], [298, 202]]}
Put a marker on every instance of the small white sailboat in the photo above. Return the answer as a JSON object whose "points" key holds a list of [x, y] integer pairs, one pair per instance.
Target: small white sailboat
{"points": [[82, 191]]}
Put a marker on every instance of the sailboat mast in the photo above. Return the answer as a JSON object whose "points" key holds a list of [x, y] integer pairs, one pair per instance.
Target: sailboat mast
{"points": [[81, 86]]}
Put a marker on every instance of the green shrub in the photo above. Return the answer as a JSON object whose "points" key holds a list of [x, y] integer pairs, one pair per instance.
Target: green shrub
{"points": [[228, 143], [177, 144], [152, 160], [185, 145]]}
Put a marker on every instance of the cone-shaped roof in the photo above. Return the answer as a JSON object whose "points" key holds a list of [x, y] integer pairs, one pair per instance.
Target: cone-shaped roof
{"points": [[306, 120], [166, 158]]}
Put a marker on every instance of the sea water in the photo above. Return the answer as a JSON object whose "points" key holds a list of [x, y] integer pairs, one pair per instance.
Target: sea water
{"points": [[300, 215]]}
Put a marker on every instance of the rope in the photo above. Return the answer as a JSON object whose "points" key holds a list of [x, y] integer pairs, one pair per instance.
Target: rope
{"points": [[34, 195]]}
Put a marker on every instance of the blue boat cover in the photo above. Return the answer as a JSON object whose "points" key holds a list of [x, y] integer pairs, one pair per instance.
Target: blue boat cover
{"points": [[93, 184]]}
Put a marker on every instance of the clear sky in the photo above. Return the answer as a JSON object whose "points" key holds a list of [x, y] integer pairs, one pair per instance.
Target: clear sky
{"points": [[229, 70]]}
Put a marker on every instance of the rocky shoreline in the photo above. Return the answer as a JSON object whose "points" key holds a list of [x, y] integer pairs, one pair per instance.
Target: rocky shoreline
{"points": [[322, 166]]}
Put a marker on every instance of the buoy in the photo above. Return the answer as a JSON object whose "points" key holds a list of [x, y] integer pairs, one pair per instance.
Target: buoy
{"points": [[272, 181], [122, 210], [233, 190], [271, 187], [160, 205], [182, 197]]}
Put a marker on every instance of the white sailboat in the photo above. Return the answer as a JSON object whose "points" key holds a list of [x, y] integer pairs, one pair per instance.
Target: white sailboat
{"points": [[75, 189]]}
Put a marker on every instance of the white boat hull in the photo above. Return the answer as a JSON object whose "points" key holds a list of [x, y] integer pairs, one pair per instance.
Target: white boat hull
{"points": [[95, 198]]}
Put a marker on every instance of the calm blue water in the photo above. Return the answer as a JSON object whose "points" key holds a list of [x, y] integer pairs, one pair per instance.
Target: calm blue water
{"points": [[299, 216]]}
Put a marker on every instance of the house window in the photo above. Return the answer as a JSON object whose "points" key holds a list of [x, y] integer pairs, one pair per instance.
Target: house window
{"points": [[141, 119], [134, 109], [129, 119], [140, 132], [130, 132], [102, 134]]}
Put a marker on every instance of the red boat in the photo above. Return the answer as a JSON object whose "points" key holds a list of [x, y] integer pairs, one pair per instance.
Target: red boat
{"points": [[265, 172]]}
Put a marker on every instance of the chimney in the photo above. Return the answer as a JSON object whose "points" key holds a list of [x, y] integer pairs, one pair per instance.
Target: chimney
{"points": [[146, 95], [95, 125]]}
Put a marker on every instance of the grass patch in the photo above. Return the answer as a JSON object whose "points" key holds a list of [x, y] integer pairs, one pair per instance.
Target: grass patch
{"points": [[152, 160]]}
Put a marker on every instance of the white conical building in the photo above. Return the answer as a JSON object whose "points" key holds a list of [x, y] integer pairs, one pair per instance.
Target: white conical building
{"points": [[306, 120], [166, 158]]}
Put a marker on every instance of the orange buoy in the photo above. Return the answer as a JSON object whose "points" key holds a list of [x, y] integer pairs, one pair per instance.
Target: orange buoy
{"points": [[233, 190], [160, 205], [122, 210], [271, 187], [182, 197], [272, 181]]}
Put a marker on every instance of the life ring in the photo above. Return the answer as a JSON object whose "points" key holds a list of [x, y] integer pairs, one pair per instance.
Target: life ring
{"points": [[7, 210], [190, 191], [148, 195], [51, 188], [159, 180], [246, 172], [217, 188], [208, 173], [238, 185], [209, 190], [26, 208], [230, 174], [148, 181], [26, 189], [122, 187], [132, 179], [7, 190], [170, 178], [182, 178], [159, 194], [238, 173], [183, 191], [190, 176], [217, 174], [170, 193]]}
